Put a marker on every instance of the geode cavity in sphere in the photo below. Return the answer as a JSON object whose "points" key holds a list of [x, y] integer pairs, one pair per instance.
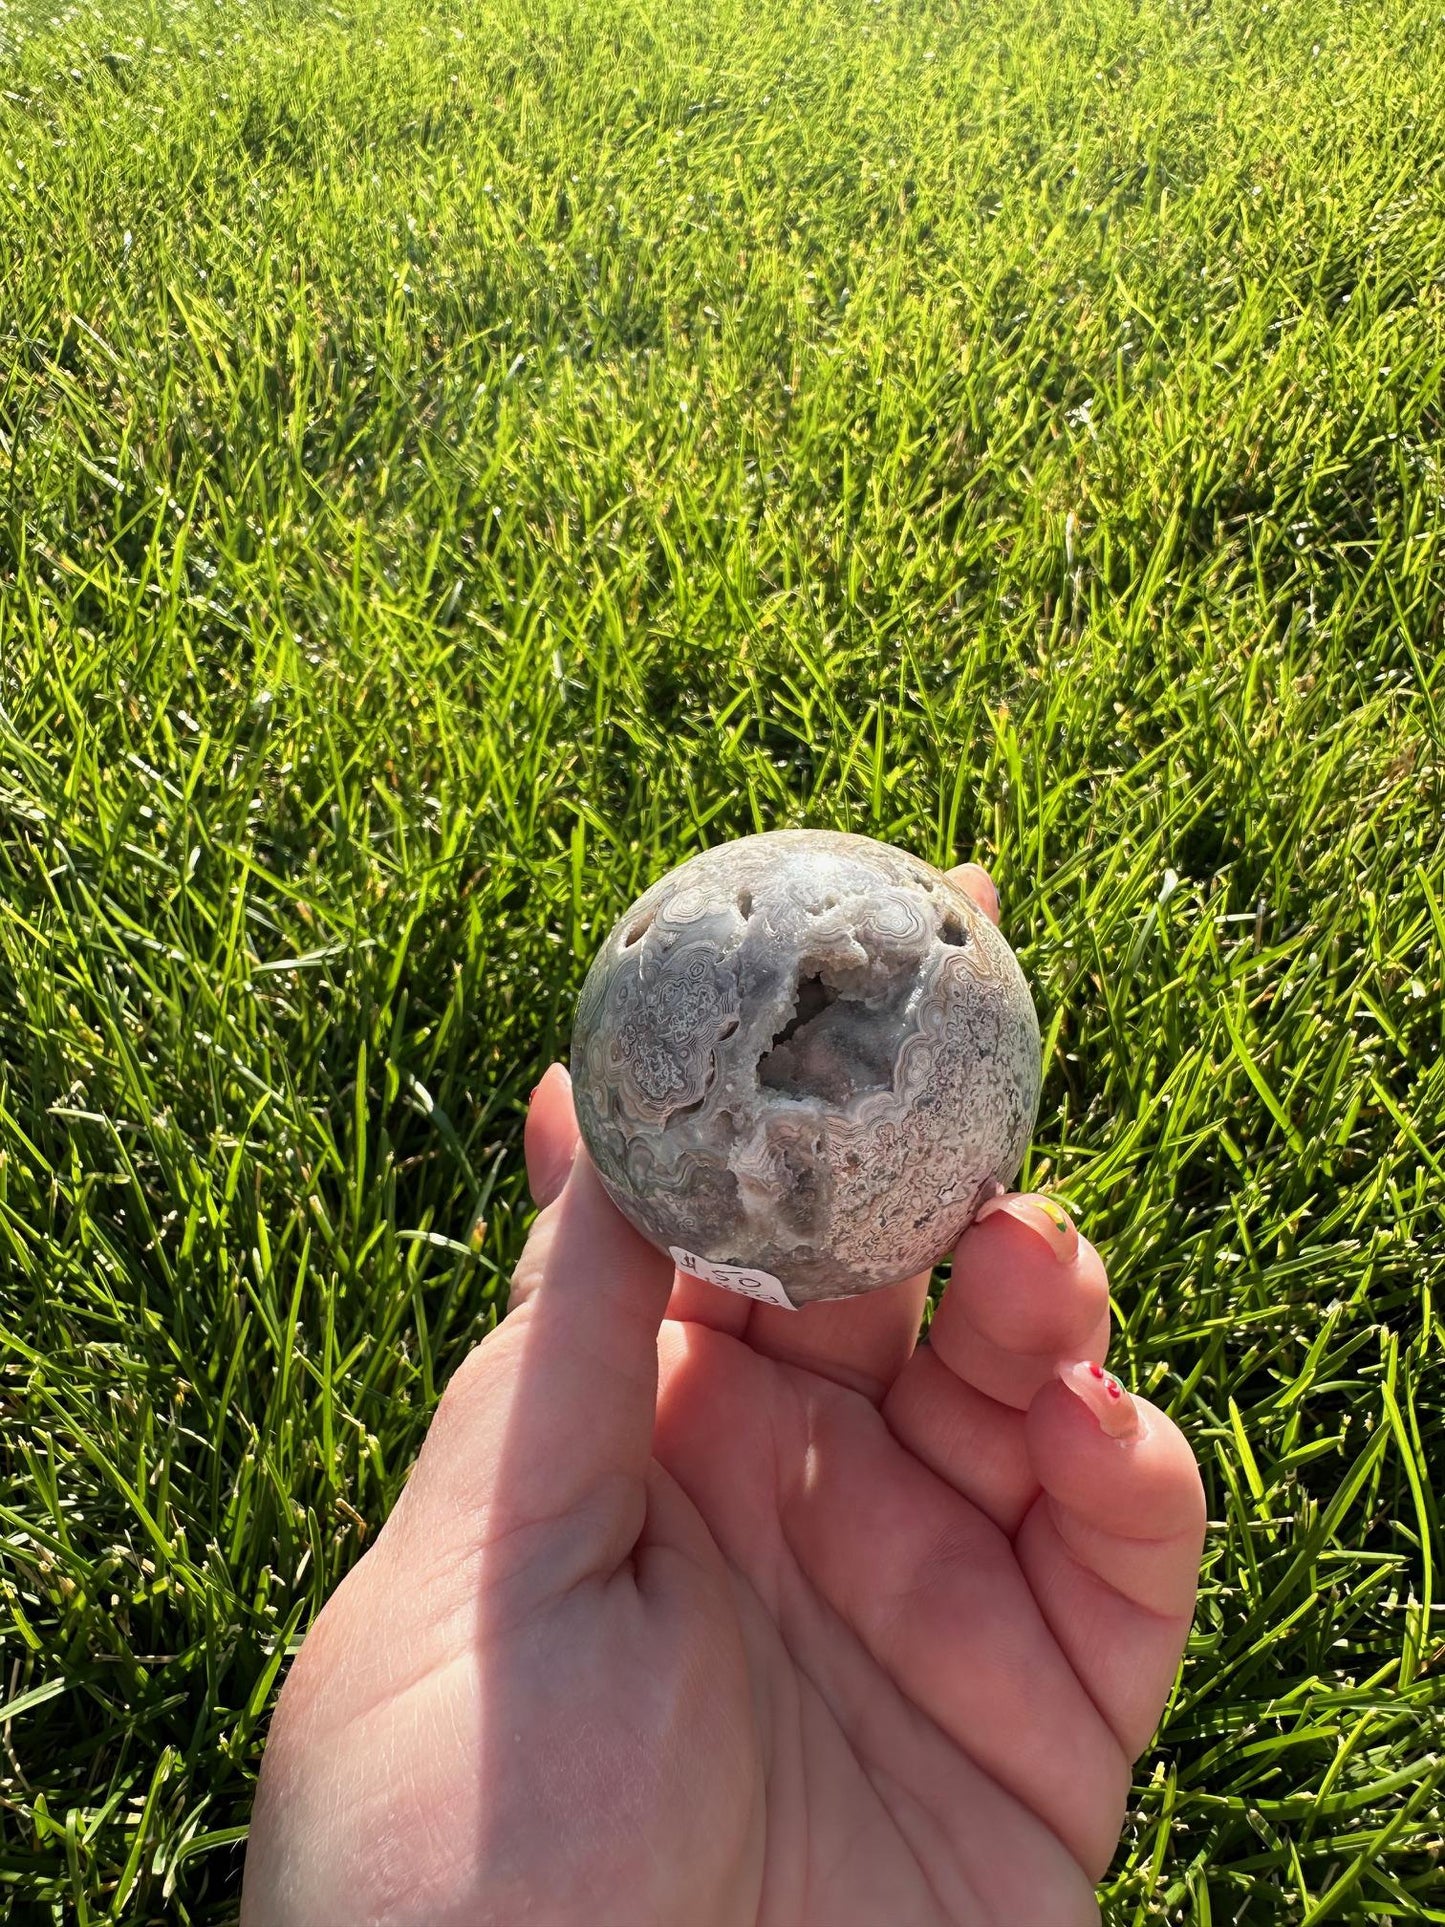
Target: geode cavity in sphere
{"points": [[807, 1054]]}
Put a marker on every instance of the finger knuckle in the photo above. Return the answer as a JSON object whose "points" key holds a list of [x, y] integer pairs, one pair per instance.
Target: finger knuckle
{"points": [[531, 1267]]}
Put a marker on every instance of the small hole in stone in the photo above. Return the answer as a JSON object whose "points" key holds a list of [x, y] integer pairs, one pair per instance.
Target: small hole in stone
{"points": [[638, 930], [745, 904], [834, 1046], [813, 998], [951, 930], [729, 1026]]}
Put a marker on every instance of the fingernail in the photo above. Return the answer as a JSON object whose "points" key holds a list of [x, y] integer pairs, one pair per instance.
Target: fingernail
{"points": [[552, 1070], [990, 891], [1040, 1215], [1116, 1412], [549, 1173]]}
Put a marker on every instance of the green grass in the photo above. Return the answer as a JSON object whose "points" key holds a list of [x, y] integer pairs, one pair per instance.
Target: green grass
{"points": [[455, 461]]}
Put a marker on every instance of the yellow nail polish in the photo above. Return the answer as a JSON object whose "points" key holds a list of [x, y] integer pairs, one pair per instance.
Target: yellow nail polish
{"points": [[1043, 1216]]}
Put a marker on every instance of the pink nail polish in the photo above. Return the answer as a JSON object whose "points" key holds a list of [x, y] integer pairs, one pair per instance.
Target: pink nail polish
{"points": [[1040, 1215], [553, 1071], [976, 882], [1111, 1405]]}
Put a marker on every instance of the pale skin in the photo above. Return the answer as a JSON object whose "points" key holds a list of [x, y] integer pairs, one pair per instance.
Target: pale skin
{"points": [[700, 1613]]}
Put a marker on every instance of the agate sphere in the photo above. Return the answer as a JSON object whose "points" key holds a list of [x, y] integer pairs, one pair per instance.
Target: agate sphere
{"points": [[802, 1061]]}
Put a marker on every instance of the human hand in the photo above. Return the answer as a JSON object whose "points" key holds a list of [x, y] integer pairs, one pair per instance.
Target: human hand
{"points": [[702, 1613]]}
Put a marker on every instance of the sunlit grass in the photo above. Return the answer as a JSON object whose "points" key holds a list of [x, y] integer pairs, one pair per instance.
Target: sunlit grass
{"points": [[456, 461]]}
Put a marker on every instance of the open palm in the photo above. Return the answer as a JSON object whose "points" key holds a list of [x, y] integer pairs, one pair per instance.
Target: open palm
{"points": [[699, 1613]]}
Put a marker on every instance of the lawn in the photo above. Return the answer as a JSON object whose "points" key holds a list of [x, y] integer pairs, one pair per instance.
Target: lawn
{"points": [[456, 461]]}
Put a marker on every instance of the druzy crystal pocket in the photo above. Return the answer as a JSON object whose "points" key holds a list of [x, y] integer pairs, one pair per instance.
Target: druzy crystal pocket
{"points": [[806, 1057]]}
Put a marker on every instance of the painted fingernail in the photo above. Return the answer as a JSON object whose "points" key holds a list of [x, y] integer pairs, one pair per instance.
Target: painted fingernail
{"points": [[1116, 1412], [553, 1071], [989, 888], [979, 885], [1040, 1215], [548, 1173]]}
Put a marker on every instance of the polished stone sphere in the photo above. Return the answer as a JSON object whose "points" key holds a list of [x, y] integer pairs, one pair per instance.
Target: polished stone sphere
{"points": [[802, 1061]]}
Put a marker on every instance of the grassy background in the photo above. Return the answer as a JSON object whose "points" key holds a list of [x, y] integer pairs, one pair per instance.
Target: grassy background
{"points": [[456, 460]]}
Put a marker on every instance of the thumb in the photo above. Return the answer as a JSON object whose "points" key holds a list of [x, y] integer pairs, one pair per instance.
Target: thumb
{"points": [[552, 1415], [550, 1138]]}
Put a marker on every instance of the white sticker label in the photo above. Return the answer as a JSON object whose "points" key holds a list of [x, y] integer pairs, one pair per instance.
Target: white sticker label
{"points": [[752, 1283]]}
